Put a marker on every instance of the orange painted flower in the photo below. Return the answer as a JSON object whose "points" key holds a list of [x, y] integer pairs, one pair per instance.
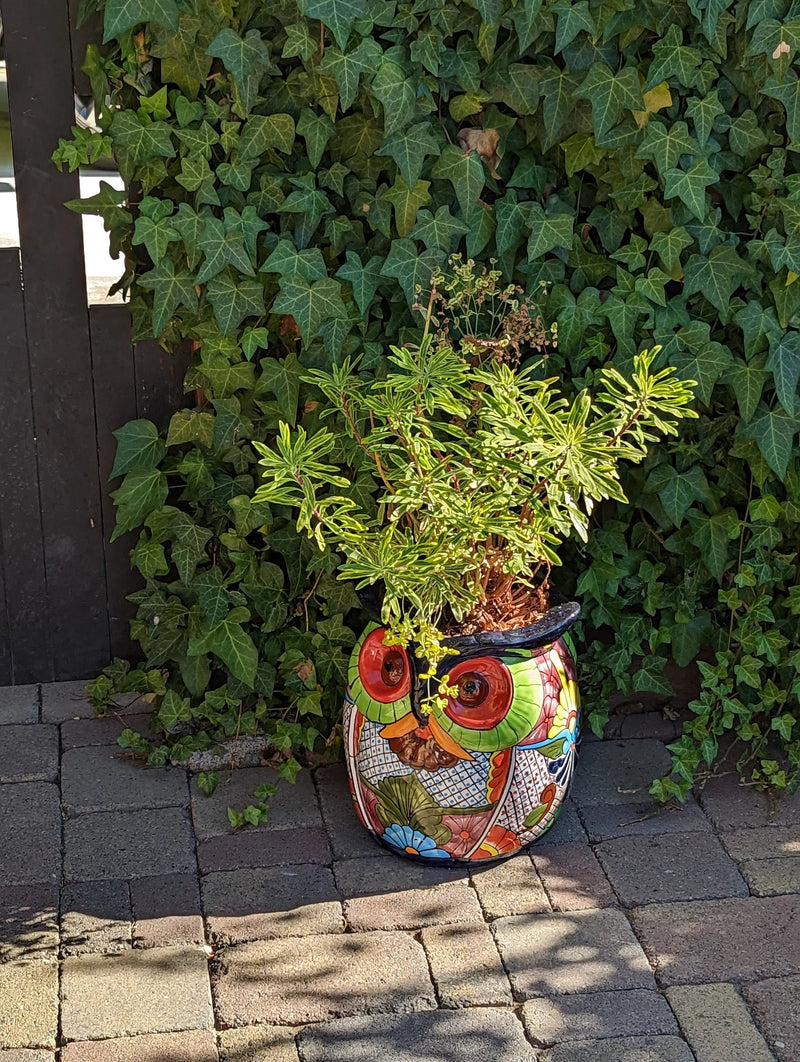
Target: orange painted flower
{"points": [[499, 841]]}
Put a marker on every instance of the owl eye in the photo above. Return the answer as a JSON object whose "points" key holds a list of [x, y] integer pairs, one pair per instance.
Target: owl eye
{"points": [[485, 692], [383, 669]]}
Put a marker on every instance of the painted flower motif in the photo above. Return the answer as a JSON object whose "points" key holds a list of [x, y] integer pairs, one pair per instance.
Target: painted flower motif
{"points": [[466, 831], [413, 842], [566, 717], [499, 841]]}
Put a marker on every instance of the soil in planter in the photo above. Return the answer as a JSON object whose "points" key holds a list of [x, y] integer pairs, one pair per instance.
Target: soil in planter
{"points": [[506, 608]]}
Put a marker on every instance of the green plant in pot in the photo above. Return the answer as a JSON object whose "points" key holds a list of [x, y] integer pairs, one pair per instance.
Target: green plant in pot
{"points": [[462, 718]]}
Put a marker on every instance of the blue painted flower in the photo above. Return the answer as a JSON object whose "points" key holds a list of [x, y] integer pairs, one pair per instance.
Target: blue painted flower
{"points": [[413, 842]]}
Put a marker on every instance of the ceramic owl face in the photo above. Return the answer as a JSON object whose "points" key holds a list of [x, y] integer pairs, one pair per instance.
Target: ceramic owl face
{"points": [[478, 778]]}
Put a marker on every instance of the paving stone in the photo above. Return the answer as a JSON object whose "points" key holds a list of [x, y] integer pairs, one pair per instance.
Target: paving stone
{"points": [[65, 700], [567, 829], [321, 977], [605, 821], [597, 1015], [772, 877], [128, 844], [618, 772], [165, 1047], [258, 904], [776, 1006], [647, 725], [258, 1043], [166, 911], [349, 839], [95, 916], [679, 866], [263, 848], [766, 842], [622, 1049], [292, 807], [579, 951], [721, 940], [572, 877], [19, 704], [509, 888], [28, 753], [101, 778], [731, 805], [30, 833], [25, 1054], [104, 730], [466, 966], [28, 922], [435, 1036], [717, 1024], [399, 894], [138, 991], [28, 1004]]}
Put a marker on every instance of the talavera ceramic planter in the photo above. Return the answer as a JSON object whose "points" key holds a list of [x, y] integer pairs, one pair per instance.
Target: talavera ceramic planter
{"points": [[483, 777]]}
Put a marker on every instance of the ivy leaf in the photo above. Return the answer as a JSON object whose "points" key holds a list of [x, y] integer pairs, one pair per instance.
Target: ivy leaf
{"points": [[466, 174], [338, 15], [747, 381], [223, 378], [671, 58], [784, 364], [409, 150], [774, 432], [198, 141], [520, 88], [702, 110], [309, 304], [140, 493], [234, 300], [122, 15], [364, 278], [170, 289], [669, 245], [558, 87], [406, 202], [677, 491], [282, 379], [234, 646], [397, 94], [410, 268], [573, 18], [316, 130], [287, 260], [512, 221], [609, 94], [188, 548], [153, 229], [212, 596], [241, 57], [262, 132], [546, 232], [221, 247], [438, 230], [347, 68], [665, 144], [690, 186], [148, 556], [711, 536], [704, 361], [135, 142], [139, 448], [191, 426], [716, 276]]}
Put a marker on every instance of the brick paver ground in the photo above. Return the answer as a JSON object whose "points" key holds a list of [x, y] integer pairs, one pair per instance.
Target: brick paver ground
{"points": [[134, 927]]}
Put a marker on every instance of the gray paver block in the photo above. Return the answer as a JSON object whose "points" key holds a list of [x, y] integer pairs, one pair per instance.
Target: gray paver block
{"points": [[26, 1054], [258, 1043], [292, 807], [572, 877], [19, 704], [100, 778], [677, 866], [28, 1004], [263, 848], [166, 911], [399, 894], [28, 922], [772, 877], [509, 888], [766, 842], [197, 1046], [435, 1036], [336, 975], [28, 753], [65, 700], [466, 966], [597, 1015], [731, 805], [717, 1024], [721, 940], [349, 839], [95, 916], [647, 725], [579, 951], [138, 991], [623, 1049], [618, 772], [104, 730], [567, 829], [258, 904], [128, 844], [776, 1006], [30, 833], [605, 821]]}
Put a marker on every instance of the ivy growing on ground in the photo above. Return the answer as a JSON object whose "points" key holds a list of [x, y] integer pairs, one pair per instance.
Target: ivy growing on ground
{"points": [[296, 170]]}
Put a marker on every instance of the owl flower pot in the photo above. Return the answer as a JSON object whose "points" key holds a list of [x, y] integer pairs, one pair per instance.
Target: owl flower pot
{"points": [[482, 775]]}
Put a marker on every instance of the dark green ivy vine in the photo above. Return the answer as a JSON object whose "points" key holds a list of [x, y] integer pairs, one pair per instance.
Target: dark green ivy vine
{"points": [[296, 169]]}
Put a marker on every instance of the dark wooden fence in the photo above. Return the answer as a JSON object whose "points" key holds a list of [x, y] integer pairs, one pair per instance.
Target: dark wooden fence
{"points": [[68, 377]]}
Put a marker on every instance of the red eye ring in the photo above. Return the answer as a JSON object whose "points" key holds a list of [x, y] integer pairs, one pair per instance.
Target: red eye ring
{"points": [[384, 670], [485, 693]]}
